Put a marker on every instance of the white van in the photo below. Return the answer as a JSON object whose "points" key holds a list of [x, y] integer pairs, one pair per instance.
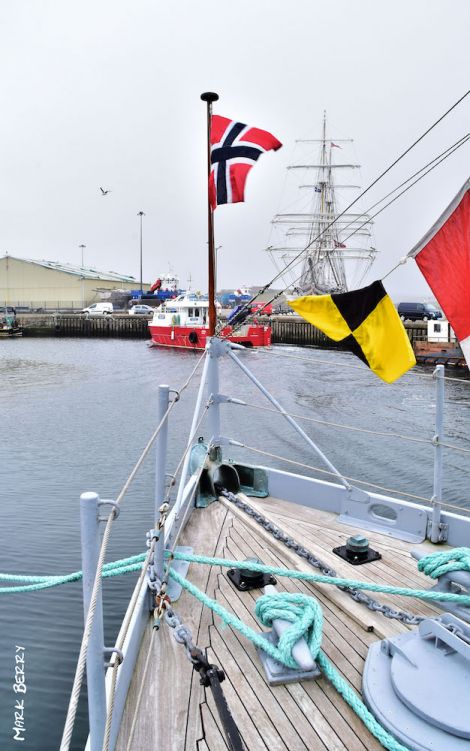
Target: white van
{"points": [[99, 309]]}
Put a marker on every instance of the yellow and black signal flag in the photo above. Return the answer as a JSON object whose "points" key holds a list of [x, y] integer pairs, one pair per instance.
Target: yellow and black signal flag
{"points": [[366, 322]]}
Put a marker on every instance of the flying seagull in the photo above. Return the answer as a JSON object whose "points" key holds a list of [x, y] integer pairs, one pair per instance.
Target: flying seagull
{"points": [[104, 192]]}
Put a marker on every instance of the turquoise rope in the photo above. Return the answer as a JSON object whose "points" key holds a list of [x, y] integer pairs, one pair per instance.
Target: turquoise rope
{"points": [[300, 610], [336, 580], [34, 583], [437, 564]]}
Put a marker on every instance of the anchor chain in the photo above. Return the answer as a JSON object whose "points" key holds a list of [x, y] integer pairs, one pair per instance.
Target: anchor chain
{"points": [[358, 596], [210, 676]]}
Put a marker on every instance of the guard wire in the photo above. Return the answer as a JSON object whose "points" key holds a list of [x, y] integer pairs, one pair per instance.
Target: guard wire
{"points": [[299, 258], [80, 669]]}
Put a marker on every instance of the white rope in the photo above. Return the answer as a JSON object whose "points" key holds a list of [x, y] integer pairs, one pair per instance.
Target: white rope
{"points": [[454, 448], [120, 643], [80, 669], [364, 369], [327, 472], [123, 633], [385, 434]]}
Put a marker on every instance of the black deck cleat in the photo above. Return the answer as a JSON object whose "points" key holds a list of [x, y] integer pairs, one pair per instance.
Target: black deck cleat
{"points": [[245, 579], [357, 551]]}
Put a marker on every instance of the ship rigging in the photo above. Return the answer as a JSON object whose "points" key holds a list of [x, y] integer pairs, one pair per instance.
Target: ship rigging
{"points": [[335, 250]]}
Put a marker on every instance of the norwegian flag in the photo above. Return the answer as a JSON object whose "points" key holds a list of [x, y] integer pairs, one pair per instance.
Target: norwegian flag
{"points": [[235, 148]]}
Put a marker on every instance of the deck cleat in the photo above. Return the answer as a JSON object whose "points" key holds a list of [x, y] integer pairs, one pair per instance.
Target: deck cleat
{"points": [[357, 551], [245, 579], [276, 672]]}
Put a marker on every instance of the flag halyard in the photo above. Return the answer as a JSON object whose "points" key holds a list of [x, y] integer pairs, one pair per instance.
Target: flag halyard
{"points": [[366, 322]]}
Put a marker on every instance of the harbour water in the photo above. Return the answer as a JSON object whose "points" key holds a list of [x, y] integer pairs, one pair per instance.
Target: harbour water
{"points": [[75, 416]]}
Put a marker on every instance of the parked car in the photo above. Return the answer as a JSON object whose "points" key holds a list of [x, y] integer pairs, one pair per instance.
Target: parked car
{"points": [[99, 309], [418, 311], [141, 310]]}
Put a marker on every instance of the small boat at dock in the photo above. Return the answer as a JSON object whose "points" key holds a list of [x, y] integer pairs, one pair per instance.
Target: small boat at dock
{"points": [[9, 327], [183, 323]]}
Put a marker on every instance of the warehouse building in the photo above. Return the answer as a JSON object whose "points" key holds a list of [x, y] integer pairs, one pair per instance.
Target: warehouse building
{"points": [[50, 285]]}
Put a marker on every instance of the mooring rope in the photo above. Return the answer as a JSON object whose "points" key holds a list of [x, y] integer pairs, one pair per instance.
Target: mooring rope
{"points": [[434, 565], [306, 618], [80, 669], [421, 594]]}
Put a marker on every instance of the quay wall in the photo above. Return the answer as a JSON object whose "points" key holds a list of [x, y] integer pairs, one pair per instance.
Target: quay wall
{"points": [[117, 326], [288, 329], [294, 330]]}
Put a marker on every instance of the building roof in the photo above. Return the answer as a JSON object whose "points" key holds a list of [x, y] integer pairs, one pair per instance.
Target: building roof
{"points": [[82, 271]]}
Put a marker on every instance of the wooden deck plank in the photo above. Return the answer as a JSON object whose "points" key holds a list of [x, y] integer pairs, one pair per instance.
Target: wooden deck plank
{"points": [[300, 716], [164, 689], [392, 571]]}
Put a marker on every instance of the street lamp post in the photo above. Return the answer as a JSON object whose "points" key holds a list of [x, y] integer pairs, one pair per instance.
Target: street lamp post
{"points": [[82, 248], [141, 214]]}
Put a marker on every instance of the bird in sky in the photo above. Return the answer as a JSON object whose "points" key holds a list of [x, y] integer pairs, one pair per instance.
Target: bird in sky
{"points": [[104, 192]]}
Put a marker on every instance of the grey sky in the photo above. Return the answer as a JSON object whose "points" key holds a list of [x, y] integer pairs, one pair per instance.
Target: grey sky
{"points": [[106, 92]]}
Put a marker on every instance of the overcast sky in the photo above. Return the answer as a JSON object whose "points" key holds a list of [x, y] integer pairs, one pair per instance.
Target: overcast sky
{"points": [[106, 93]]}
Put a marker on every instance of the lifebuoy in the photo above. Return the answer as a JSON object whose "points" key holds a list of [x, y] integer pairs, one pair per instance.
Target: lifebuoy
{"points": [[193, 337]]}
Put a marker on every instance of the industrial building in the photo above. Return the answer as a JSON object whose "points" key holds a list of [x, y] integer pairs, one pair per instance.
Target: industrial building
{"points": [[50, 285]]}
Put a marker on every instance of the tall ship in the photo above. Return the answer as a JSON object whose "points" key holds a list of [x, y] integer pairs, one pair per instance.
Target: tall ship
{"points": [[316, 248]]}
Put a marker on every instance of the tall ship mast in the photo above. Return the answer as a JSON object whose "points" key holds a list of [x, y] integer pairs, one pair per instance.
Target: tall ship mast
{"points": [[334, 252]]}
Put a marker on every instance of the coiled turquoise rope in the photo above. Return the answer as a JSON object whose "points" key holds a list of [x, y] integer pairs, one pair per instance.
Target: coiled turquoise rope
{"points": [[437, 564], [302, 611]]}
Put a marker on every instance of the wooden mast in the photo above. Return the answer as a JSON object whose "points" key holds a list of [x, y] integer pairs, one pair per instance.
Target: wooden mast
{"points": [[209, 97]]}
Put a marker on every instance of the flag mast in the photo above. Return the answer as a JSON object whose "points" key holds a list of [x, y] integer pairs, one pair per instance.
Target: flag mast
{"points": [[209, 97]]}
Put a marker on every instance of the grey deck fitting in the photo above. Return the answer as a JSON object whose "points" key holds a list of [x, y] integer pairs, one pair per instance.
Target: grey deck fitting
{"points": [[417, 685], [181, 567], [276, 672]]}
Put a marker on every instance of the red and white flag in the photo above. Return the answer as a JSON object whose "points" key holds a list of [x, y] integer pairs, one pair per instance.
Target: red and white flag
{"points": [[443, 256], [334, 145], [235, 147]]}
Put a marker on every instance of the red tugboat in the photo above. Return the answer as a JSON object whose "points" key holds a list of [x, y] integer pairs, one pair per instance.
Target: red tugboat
{"points": [[184, 323]]}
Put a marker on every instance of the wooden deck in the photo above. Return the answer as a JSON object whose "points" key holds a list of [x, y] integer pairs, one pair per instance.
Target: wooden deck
{"points": [[167, 708]]}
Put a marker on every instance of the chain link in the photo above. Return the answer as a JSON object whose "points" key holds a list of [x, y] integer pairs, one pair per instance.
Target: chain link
{"points": [[357, 595]]}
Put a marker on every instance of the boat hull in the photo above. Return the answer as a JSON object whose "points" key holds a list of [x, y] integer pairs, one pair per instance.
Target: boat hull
{"points": [[191, 337]]}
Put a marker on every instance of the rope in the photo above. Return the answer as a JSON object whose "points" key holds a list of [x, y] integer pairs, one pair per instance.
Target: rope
{"points": [[297, 258], [35, 583], [437, 564], [409, 374], [327, 472], [385, 434], [421, 594], [304, 613], [80, 669]]}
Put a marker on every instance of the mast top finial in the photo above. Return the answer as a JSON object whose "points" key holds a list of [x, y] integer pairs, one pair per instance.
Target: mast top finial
{"points": [[209, 96]]}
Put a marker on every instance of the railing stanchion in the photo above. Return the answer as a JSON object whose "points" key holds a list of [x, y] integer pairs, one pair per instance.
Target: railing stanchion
{"points": [[160, 476], [438, 464], [90, 541]]}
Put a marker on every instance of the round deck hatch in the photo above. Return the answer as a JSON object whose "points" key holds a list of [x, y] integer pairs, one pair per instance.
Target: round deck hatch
{"points": [[434, 682]]}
